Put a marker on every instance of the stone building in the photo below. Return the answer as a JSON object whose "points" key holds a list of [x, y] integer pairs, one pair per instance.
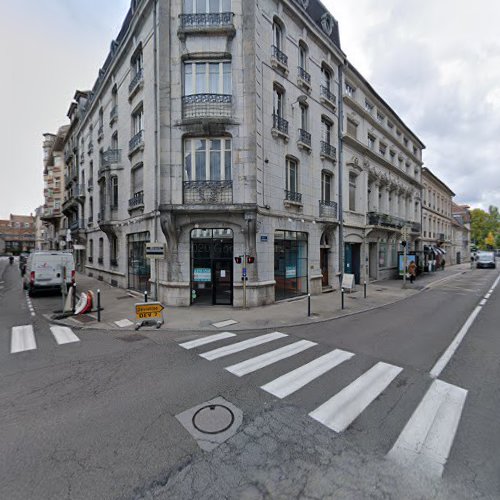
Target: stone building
{"points": [[436, 218], [460, 234], [17, 234], [213, 127]]}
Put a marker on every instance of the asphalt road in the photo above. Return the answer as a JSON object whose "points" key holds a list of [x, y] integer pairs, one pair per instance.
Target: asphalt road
{"points": [[96, 417]]}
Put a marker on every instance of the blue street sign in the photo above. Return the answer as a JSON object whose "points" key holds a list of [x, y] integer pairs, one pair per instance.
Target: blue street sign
{"points": [[244, 272]]}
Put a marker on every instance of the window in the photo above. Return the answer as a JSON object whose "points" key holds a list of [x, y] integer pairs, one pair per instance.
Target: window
{"points": [[326, 186], [207, 78], [114, 96], [114, 193], [405, 140], [206, 6], [380, 117], [137, 63], [303, 117], [326, 78], [352, 128], [371, 141], [138, 121], [368, 106], [101, 120], [137, 180], [415, 151], [113, 250], [390, 125], [352, 191], [101, 250], [349, 90], [278, 101], [382, 148], [326, 130], [207, 159], [114, 141], [302, 56], [277, 36], [291, 175], [392, 155], [91, 250]]}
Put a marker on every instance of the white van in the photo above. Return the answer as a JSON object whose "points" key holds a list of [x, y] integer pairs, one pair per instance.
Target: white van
{"points": [[45, 271]]}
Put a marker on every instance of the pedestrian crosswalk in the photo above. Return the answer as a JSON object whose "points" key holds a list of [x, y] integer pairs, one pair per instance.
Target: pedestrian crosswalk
{"points": [[424, 442], [23, 337]]}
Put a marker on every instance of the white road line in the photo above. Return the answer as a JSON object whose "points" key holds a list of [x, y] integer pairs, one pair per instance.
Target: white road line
{"points": [[254, 364], [207, 340], [483, 302], [343, 408], [298, 378], [487, 296], [22, 339], [426, 440], [241, 346], [63, 335]]}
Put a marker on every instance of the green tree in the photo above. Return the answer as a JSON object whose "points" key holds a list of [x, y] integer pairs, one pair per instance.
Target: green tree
{"points": [[489, 241], [482, 224]]}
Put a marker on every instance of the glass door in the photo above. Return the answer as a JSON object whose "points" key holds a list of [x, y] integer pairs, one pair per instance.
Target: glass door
{"points": [[223, 282]]}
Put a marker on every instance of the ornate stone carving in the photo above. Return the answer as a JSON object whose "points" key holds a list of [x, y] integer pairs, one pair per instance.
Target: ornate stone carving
{"points": [[327, 23]]}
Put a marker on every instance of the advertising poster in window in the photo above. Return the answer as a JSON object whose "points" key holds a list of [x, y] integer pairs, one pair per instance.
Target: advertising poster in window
{"points": [[202, 275], [291, 272], [409, 258]]}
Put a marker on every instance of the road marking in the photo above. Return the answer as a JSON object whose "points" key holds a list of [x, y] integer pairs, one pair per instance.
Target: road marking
{"points": [[426, 440], [298, 378], [241, 346], [224, 324], [343, 408], [207, 340], [487, 296], [122, 323], [254, 364], [63, 335], [483, 302], [22, 339]]}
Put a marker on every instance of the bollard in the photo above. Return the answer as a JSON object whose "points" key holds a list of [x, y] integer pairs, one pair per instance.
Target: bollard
{"points": [[73, 302], [342, 296], [309, 305], [365, 288], [98, 305], [145, 296]]}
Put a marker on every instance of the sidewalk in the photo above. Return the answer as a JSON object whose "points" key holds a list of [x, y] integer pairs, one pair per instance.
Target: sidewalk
{"points": [[118, 305]]}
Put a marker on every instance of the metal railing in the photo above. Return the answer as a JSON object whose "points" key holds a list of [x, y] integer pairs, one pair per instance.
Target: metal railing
{"points": [[416, 227], [328, 150], [304, 136], [110, 157], [304, 75], [136, 141], [293, 196], [441, 237], [136, 80], [328, 209], [77, 224], [208, 192], [280, 123], [279, 55], [209, 19], [137, 200], [327, 94], [385, 220], [207, 105]]}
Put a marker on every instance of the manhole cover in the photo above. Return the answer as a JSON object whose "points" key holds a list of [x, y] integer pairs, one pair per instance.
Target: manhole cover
{"points": [[213, 419]]}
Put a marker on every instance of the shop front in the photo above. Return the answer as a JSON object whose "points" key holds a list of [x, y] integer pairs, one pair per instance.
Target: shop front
{"points": [[139, 270]]}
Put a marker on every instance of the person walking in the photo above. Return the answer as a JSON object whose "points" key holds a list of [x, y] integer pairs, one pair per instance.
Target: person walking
{"points": [[443, 262], [412, 270]]}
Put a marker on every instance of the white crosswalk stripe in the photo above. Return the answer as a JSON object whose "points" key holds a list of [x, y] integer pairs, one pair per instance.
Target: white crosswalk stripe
{"points": [[207, 340], [22, 339], [293, 381], [343, 408], [63, 334], [426, 440], [241, 346], [254, 364]]}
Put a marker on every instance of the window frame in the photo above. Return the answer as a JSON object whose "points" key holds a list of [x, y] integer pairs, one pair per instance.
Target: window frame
{"points": [[353, 177], [223, 87], [292, 162], [224, 153]]}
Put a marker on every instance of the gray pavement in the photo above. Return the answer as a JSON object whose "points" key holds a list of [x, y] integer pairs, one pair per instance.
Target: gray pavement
{"points": [[118, 305]]}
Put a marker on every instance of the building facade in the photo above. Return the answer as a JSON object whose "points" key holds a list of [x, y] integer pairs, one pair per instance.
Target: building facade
{"points": [[213, 127], [461, 239], [17, 234]]}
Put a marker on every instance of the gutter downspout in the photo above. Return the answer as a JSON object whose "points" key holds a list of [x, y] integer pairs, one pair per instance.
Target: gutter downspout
{"points": [[341, 172], [157, 142]]}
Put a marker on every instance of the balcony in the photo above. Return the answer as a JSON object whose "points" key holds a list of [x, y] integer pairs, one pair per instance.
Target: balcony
{"points": [[441, 237], [136, 143], [328, 152], [303, 79], [292, 197], [137, 201], [136, 83], [110, 158], [90, 220], [385, 220], [415, 227], [77, 224], [90, 148], [304, 141], [210, 23], [207, 106], [113, 114], [90, 185], [279, 60], [327, 97], [328, 209], [208, 192], [280, 127]]}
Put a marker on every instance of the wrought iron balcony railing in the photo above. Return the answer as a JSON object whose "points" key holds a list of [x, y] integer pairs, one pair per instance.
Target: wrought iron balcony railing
{"points": [[304, 137], [280, 56], [441, 237], [77, 224], [136, 141], [280, 124], [207, 106], [328, 209], [325, 93], [208, 192], [416, 227], [137, 200], [385, 220], [137, 79], [293, 196], [328, 150], [304, 75], [111, 157], [204, 20]]}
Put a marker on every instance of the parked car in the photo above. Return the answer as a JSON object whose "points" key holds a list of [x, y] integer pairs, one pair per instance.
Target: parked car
{"points": [[486, 259], [45, 271]]}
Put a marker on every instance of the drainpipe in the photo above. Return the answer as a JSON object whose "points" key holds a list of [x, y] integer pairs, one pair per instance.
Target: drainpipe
{"points": [[157, 142], [341, 172]]}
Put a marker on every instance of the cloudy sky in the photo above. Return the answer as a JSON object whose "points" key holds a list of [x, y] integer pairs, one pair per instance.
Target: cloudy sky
{"points": [[437, 63]]}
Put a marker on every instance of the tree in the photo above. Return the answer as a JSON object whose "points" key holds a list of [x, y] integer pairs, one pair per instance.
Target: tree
{"points": [[483, 224], [489, 241]]}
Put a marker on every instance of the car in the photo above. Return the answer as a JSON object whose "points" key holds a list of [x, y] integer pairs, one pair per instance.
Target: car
{"points": [[46, 270], [486, 259]]}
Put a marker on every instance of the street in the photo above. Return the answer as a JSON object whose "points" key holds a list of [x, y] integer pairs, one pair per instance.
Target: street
{"points": [[345, 408]]}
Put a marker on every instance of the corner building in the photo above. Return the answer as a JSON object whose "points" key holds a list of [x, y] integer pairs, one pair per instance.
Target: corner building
{"points": [[213, 127]]}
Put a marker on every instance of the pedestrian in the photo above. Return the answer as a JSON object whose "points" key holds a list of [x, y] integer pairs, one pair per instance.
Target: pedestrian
{"points": [[412, 269], [443, 262]]}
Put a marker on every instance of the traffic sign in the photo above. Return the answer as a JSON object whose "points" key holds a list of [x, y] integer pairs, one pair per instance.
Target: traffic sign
{"points": [[148, 310], [155, 250]]}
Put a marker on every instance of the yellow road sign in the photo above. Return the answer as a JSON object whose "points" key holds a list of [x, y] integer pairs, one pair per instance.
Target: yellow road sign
{"points": [[148, 310]]}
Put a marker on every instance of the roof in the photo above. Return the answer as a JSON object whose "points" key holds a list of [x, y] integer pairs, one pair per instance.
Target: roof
{"points": [[427, 173]]}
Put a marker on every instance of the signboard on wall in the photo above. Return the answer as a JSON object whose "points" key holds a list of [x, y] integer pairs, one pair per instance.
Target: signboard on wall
{"points": [[291, 272], [202, 274]]}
